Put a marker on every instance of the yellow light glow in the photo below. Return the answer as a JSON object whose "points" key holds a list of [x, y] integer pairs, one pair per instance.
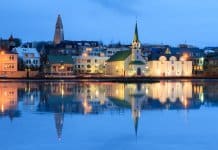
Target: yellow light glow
{"points": [[62, 67], [2, 108], [87, 107], [185, 103], [85, 55], [185, 56], [2, 52], [62, 90]]}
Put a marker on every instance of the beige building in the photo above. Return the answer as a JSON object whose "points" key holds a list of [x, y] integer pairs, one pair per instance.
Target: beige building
{"points": [[89, 64], [169, 65], [127, 63], [8, 61]]}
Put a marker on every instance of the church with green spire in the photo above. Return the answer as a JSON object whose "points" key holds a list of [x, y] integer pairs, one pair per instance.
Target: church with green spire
{"points": [[128, 63]]}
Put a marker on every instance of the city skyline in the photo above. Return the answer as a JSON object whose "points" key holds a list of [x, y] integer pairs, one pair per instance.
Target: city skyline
{"points": [[166, 22]]}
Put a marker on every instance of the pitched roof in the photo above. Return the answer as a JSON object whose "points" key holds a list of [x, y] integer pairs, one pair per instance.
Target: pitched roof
{"points": [[120, 56], [137, 62], [66, 59]]}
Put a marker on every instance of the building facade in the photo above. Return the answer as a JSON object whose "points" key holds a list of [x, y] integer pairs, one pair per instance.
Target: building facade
{"points": [[61, 65], [28, 58], [128, 63], [169, 65], [8, 61], [89, 64]]}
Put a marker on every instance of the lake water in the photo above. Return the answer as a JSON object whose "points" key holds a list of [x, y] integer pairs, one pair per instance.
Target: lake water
{"points": [[166, 115]]}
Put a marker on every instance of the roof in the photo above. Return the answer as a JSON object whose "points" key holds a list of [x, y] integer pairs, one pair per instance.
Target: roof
{"points": [[6, 52], [120, 56], [22, 51], [136, 36], [137, 62], [55, 59]]}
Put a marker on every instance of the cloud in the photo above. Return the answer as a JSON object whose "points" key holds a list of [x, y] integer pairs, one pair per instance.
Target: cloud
{"points": [[124, 7]]}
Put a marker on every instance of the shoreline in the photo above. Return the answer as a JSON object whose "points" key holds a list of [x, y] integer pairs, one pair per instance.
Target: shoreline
{"points": [[111, 79]]}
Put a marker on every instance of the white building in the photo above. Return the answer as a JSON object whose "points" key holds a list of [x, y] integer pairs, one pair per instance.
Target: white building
{"points": [[89, 64], [30, 57], [169, 65]]}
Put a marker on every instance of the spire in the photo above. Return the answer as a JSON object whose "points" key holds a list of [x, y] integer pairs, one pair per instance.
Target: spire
{"points": [[59, 23], [59, 121], [136, 36], [136, 120], [59, 31]]}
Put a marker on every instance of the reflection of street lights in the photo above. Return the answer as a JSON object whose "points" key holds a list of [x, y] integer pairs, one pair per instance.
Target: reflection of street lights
{"points": [[28, 71]]}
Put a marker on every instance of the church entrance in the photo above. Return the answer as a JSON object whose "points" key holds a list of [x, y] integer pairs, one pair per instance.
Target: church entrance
{"points": [[139, 72]]}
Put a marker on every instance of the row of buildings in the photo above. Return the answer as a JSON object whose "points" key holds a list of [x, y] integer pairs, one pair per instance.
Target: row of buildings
{"points": [[62, 58]]}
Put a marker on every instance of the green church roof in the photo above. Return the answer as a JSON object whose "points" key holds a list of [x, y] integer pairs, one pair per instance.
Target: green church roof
{"points": [[120, 56], [136, 63], [57, 59], [136, 36]]}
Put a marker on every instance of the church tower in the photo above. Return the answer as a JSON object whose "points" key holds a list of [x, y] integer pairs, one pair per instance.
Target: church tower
{"points": [[59, 31], [136, 46]]}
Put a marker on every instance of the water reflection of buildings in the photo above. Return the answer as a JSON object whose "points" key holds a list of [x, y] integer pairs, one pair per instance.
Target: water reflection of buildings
{"points": [[8, 100], [161, 95], [72, 98], [63, 98]]}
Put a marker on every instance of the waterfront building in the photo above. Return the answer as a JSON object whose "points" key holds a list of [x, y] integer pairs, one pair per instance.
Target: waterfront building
{"points": [[89, 64], [128, 63], [194, 54], [169, 64], [28, 58], [59, 65], [59, 31], [211, 64], [8, 61]]}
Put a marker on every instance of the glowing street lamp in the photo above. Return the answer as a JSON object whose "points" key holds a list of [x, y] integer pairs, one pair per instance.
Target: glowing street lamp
{"points": [[185, 56]]}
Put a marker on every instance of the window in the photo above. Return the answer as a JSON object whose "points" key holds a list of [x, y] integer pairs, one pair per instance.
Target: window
{"points": [[96, 60], [88, 61], [11, 57], [88, 66], [172, 68]]}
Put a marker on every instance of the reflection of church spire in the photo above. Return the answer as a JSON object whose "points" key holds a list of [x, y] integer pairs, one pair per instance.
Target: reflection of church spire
{"points": [[136, 101], [59, 121], [136, 120]]}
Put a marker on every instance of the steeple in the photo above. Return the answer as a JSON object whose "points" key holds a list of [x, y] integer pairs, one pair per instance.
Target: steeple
{"points": [[59, 121], [136, 45], [136, 121], [59, 31], [136, 36]]}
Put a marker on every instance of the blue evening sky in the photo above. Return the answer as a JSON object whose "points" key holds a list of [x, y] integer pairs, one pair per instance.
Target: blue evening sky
{"points": [[160, 21]]}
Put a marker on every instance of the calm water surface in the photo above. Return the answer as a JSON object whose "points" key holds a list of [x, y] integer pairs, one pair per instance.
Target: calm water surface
{"points": [[92, 116]]}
